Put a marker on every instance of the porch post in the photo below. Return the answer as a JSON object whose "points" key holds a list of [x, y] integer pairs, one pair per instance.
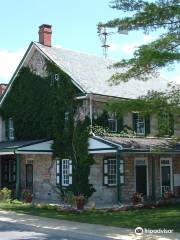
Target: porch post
{"points": [[118, 177], [153, 178], [18, 176]]}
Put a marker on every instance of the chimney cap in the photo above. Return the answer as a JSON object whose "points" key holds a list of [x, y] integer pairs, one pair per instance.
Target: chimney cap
{"points": [[45, 26]]}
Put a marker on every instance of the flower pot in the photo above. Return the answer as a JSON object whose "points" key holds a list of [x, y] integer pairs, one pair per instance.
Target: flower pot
{"points": [[80, 204], [28, 199]]}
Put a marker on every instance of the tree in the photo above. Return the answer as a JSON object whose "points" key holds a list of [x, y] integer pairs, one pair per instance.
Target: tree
{"points": [[165, 105], [148, 16]]}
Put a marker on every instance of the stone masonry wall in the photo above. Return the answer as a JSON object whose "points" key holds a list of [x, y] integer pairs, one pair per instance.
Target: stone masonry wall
{"points": [[44, 176], [177, 126], [176, 170], [37, 64], [103, 194]]}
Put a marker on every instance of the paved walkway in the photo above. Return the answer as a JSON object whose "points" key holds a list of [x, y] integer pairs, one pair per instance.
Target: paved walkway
{"points": [[80, 231]]}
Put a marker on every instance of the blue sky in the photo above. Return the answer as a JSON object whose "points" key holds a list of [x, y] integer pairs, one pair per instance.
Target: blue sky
{"points": [[74, 27]]}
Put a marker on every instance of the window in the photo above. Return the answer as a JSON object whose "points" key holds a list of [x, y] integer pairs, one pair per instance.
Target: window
{"points": [[110, 172], [64, 172], [10, 129], [54, 79], [166, 124], [66, 116], [112, 122], [140, 124]]}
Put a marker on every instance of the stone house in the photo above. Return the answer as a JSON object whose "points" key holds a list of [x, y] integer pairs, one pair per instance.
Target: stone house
{"points": [[123, 165]]}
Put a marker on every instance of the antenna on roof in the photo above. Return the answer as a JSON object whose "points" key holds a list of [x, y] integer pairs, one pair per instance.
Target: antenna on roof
{"points": [[103, 37]]}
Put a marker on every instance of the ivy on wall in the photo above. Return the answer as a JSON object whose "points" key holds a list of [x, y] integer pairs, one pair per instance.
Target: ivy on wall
{"points": [[165, 105], [44, 108]]}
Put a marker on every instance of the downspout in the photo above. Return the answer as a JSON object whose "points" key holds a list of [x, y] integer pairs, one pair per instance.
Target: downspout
{"points": [[119, 190], [18, 175], [153, 179], [90, 113]]}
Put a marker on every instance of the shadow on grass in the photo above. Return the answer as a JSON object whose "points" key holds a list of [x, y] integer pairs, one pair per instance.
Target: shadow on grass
{"points": [[165, 217]]}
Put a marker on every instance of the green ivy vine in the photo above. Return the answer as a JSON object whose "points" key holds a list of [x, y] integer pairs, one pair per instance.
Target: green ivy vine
{"points": [[44, 108]]}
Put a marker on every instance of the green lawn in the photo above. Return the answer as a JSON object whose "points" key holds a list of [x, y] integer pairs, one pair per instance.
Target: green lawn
{"points": [[165, 217]]}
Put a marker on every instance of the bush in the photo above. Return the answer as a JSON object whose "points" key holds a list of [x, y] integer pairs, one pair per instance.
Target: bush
{"points": [[5, 195]]}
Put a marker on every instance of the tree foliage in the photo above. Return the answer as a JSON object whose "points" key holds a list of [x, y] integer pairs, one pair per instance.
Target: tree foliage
{"points": [[148, 16], [165, 105]]}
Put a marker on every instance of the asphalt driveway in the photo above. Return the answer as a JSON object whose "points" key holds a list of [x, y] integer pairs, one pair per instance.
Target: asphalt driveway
{"points": [[15, 231], [17, 226]]}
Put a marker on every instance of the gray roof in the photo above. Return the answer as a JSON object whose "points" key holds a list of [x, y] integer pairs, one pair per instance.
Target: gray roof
{"points": [[142, 143], [16, 144], [92, 73]]}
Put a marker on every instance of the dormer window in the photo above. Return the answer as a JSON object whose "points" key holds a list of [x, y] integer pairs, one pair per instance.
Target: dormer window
{"points": [[54, 79], [112, 122]]}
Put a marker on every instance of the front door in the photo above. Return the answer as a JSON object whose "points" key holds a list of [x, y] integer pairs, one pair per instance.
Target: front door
{"points": [[29, 177], [141, 179], [166, 176], [8, 172]]}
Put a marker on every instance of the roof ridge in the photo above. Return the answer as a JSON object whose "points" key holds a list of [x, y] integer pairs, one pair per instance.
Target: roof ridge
{"points": [[77, 51]]}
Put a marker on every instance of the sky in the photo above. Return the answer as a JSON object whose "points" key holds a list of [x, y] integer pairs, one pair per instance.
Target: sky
{"points": [[74, 25]]}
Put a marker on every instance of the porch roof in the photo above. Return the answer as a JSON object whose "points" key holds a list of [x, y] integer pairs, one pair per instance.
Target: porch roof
{"points": [[148, 144], [97, 144], [10, 147]]}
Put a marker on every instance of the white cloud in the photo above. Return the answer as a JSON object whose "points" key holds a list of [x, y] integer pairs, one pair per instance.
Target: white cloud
{"points": [[147, 39], [177, 79], [129, 48], [114, 47], [9, 62]]}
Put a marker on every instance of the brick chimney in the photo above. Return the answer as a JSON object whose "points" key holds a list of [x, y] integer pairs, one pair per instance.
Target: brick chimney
{"points": [[45, 33]]}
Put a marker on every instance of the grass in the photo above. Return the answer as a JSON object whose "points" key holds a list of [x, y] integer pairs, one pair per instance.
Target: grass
{"points": [[165, 217]]}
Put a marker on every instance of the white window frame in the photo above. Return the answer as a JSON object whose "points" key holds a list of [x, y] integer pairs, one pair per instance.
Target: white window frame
{"points": [[10, 129], [66, 172], [171, 171], [107, 171], [112, 119], [139, 122]]}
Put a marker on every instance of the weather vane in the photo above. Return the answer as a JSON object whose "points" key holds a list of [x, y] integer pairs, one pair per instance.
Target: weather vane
{"points": [[103, 37], [103, 34]]}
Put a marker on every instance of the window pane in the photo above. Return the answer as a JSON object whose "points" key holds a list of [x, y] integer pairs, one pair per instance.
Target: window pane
{"points": [[112, 172], [65, 172]]}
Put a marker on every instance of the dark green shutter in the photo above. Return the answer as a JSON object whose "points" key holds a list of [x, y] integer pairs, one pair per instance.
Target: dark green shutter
{"points": [[7, 129], [70, 172], [119, 124], [171, 124], [58, 171], [105, 172], [134, 118], [147, 124]]}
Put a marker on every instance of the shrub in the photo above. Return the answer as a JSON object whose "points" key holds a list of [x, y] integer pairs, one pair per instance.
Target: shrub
{"points": [[5, 195]]}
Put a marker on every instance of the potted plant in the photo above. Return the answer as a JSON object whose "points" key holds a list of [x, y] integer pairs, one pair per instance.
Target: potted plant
{"points": [[80, 201], [27, 196], [137, 198], [168, 195]]}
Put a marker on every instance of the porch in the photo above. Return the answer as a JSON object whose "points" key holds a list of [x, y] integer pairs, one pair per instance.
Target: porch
{"points": [[10, 166], [148, 166]]}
